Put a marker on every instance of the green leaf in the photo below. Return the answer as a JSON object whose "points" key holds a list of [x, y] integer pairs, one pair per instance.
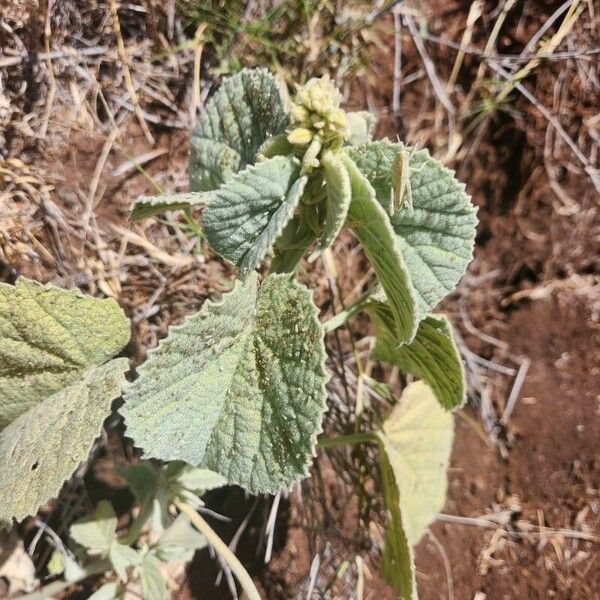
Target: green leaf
{"points": [[246, 110], [152, 580], [179, 542], [398, 558], [361, 125], [198, 481], [44, 446], [48, 338], [245, 216], [437, 237], [96, 532], [432, 355], [121, 557], [146, 206], [143, 479], [371, 225], [109, 591], [239, 387], [417, 438], [339, 195]]}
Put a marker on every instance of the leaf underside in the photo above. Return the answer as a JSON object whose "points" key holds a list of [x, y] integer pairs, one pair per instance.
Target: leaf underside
{"points": [[246, 110], [48, 338], [42, 448], [417, 437], [437, 237], [238, 387], [339, 195], [245, 216], [371, 225], [432, 355], [398, 557]]}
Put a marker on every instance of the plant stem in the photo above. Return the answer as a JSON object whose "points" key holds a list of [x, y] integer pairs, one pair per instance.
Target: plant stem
{"points": [[219, 545]]}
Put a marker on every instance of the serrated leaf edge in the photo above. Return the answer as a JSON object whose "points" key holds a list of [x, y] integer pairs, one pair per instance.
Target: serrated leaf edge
{"points": [[216, 303]]}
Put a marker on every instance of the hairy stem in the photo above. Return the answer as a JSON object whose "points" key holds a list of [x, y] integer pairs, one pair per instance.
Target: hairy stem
{"points": [[219, 545]]}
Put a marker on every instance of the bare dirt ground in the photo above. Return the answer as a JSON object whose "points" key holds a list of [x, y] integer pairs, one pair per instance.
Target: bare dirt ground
{"points": [[523, 511]]}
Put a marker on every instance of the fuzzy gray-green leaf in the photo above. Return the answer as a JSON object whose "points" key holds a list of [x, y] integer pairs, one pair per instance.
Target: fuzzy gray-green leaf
{"points": [[371, 225], [238, 387], [432, 355], [246, 110], [245, 216], [48, 338], [42, 448], [437, 236]]}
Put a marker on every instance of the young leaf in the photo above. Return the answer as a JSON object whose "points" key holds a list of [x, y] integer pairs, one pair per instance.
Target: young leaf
{"points": [[361, 125], [436, 238], [121, 557], [417, 438], [371, 225], [197, 481], [144, 479], [146, 206], [45, 445], [179, 542], [339, 194], [246, 110], [152, 580], [48, 338], [245, 217], [97, 531], [432, 355], [239, 387]]}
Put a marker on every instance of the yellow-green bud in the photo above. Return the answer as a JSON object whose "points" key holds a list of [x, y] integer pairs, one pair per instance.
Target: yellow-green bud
{"points": [[300, 136]]}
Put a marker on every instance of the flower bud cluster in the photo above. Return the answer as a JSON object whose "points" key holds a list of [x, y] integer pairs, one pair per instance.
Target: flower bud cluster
{"points": [[317, 116]]}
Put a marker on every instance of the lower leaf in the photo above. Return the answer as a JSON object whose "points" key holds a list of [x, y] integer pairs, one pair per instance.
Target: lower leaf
{"points": [[432, 355], [44, 446]]}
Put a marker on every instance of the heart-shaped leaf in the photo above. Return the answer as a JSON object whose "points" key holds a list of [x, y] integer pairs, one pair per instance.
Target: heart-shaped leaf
{"points": [[417, 441], [239, 387]]}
